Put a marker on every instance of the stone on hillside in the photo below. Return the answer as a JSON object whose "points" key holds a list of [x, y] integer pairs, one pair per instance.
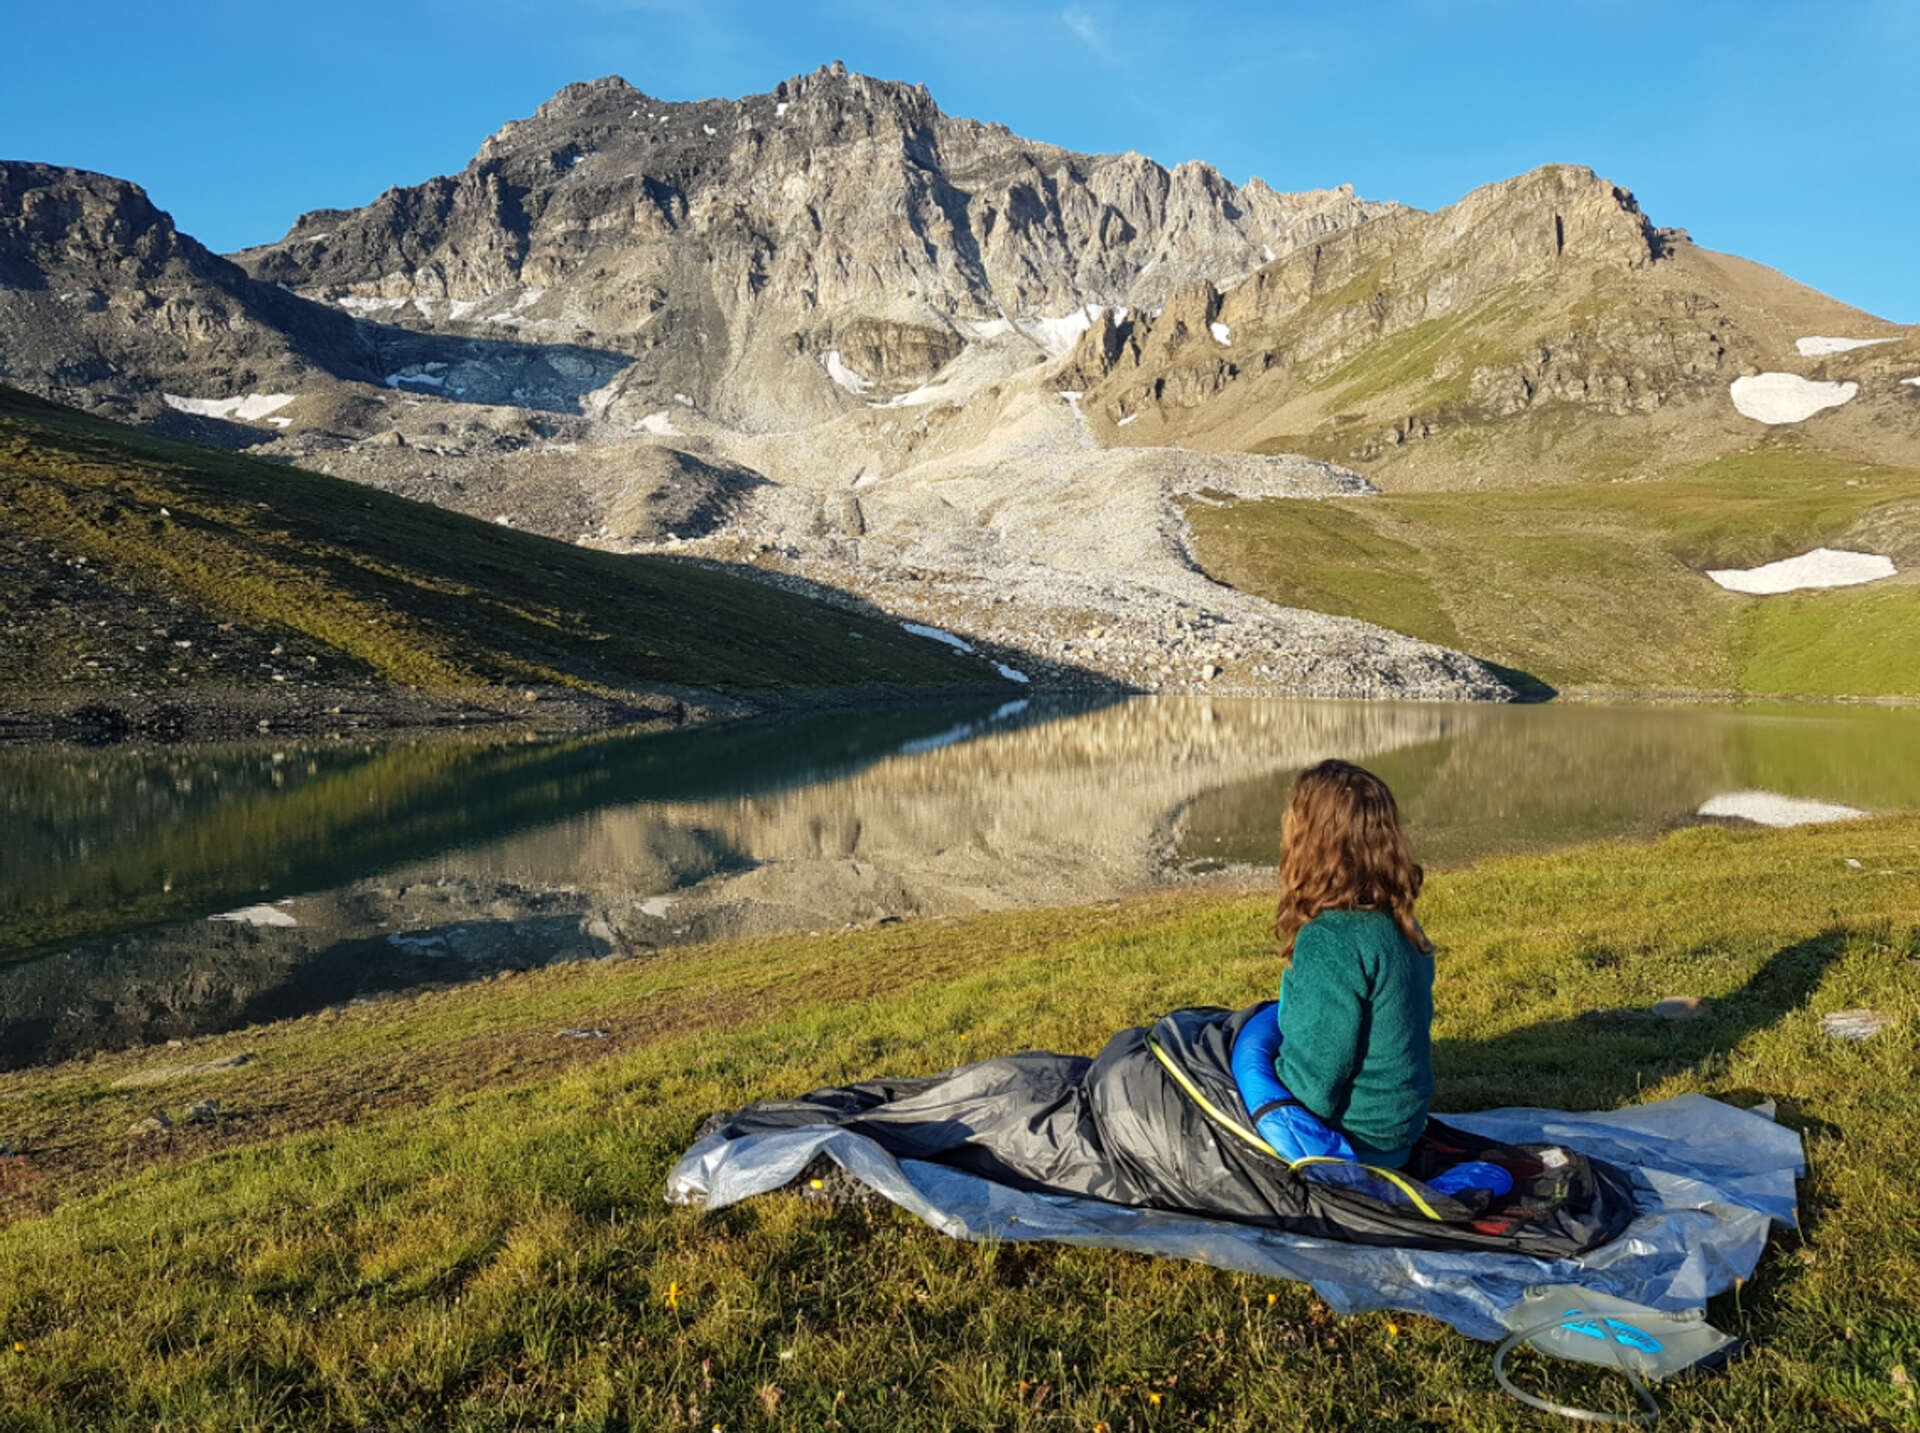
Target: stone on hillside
{"points": [[163, 1073], [1855, 1024], [665, 493], [149, 1127], [1680, 1007]]}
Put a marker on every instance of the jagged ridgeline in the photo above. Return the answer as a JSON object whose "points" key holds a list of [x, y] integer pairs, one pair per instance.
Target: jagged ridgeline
{"points": [[730, 246]]}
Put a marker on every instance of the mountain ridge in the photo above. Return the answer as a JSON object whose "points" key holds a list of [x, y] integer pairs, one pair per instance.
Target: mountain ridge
{"points": [[834, 334], [836, 214]]}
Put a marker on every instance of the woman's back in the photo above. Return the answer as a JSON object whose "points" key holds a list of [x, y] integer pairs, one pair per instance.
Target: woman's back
{"points": [[1356, 1017]]}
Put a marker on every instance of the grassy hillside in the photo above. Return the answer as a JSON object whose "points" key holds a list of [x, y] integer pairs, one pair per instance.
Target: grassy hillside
{"points": [[132, 560], [1602, 585], [438, 1213]]}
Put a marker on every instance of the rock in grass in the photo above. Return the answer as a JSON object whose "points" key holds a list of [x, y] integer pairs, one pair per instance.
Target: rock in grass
{"points": [[1855, 1024], [150, 1126], [175, 1072], [1680, 1007]]}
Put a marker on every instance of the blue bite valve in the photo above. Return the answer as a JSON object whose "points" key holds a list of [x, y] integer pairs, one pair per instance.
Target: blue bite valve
{"points": [[1474, 1174]]}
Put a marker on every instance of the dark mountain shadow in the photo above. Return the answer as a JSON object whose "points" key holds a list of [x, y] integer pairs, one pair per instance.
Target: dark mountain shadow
{"points": [[548, 377], [1603, 1059]]}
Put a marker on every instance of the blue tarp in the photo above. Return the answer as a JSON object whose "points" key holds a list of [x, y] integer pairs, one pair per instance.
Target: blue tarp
{"points": [[1709, 1181]]}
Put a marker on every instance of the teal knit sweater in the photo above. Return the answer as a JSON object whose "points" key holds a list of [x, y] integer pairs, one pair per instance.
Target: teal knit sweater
{"points": [[1356, 1028]]}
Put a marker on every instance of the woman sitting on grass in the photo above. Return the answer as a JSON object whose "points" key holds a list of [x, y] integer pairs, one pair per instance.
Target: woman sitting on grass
{"points": [[1164, 1117], [1356, 996]]}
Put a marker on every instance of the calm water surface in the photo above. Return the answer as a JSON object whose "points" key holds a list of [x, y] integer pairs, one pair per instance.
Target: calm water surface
{"points": [[156, 894]]}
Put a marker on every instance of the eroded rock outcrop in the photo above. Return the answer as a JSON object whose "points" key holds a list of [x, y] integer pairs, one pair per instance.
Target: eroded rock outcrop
{"points": [[730, 246]]}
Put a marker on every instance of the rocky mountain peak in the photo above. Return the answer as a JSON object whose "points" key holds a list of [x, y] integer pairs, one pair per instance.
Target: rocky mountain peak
{"points": [[103, 298], [1557, 213], [82, 222], [742, 251]]}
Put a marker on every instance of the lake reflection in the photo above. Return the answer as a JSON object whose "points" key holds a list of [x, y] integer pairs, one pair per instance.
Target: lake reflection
{"points": [[355, 871]]}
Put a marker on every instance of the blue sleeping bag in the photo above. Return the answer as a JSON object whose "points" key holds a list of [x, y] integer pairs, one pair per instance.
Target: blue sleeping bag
{"points": [[1309, 1143]]}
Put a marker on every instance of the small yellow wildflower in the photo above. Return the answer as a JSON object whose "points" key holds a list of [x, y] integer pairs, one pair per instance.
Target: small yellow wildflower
{"points": [[1393, 1329], [673, 1295], [816, 1184], [1153, 1400], [1272, 1299], [19, 1347]]}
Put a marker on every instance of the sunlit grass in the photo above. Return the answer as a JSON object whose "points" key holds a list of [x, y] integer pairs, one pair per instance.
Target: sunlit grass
{"points": [[1602, 586], [455, 1227], [410, 593]]}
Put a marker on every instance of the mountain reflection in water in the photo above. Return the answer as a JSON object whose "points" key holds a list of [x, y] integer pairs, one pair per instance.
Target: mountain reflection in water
{"points": [[432, 861]]}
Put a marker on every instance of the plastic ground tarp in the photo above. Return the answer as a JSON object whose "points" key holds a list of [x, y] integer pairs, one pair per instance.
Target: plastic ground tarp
{"points": [[1708, 1181]]}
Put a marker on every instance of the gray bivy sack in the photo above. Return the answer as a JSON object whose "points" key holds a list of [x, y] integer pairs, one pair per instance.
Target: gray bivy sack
{"points": [[1157, 1121]]}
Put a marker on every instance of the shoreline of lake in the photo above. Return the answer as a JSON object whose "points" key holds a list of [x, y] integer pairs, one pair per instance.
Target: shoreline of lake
{"points": [[169, 892]]}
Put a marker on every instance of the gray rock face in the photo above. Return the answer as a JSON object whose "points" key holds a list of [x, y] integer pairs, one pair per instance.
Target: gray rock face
{"points": [[96, 284], [785, 256], [106, 305]]}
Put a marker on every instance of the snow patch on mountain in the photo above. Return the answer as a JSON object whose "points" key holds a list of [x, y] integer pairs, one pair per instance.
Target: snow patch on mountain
{"points": [[1817, 347], [1786, 397], [838, 371], [247, 408]]}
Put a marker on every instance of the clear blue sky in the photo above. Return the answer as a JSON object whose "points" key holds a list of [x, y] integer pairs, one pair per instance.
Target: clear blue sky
{"points": [[1786, 132]]}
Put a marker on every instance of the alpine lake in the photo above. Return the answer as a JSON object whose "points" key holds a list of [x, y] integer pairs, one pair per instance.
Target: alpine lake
{"points": [[154, 894]]}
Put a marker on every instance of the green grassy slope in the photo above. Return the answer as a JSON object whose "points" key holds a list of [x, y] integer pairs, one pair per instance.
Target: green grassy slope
{"points": [[118, 543], [1602, 585], [437, 1213]]}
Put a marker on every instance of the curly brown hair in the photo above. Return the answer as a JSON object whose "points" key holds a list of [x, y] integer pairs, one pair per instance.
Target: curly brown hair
{"points": [[1342, 849]]}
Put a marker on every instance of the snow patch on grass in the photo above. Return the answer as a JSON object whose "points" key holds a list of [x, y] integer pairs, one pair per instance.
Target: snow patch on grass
{"points": [[1222, 334], [248, 407], [256, 915], [1786, 397], [1769, 808], [921, 630], [1815, 347], [1823, 567]]}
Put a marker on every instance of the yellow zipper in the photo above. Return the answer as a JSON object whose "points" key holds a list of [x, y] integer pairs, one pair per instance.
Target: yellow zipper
{"points": [[1252, 1137]]}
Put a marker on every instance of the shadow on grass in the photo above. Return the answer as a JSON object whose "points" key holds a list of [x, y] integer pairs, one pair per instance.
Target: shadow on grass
{"points": [[1602, 1059]]}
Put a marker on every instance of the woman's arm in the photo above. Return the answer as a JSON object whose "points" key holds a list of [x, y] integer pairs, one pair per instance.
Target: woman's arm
{"points": [[1323, 1016]]}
